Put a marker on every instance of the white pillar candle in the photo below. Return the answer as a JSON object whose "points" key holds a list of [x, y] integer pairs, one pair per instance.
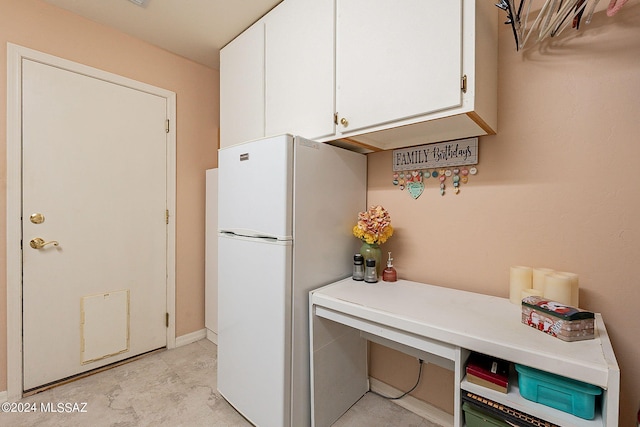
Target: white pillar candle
{"points": [[575, 291], [519, 279], [531, 293], [538, 277], [557, 287]]}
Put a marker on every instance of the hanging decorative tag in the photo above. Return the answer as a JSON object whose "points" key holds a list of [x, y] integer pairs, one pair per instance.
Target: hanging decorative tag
{"points": [[415, 189]]}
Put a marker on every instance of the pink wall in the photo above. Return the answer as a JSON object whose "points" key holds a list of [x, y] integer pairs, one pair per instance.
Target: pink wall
{"points": [[38, 25], [557, 187]]}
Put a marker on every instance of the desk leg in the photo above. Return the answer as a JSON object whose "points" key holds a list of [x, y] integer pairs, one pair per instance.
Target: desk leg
{"points": [[611, 399], [338, 369], [459, 372]]}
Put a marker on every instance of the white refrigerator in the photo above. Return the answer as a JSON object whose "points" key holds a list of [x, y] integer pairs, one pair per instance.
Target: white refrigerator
{"points": [[286, 207]]}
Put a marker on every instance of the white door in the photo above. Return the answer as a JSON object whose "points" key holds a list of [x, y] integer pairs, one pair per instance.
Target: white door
{"points": [[95, 192]]}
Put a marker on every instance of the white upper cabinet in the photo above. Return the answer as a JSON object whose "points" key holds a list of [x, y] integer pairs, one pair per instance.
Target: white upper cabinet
{"points": [[371, 74], [411, 72], [396, 60], [242, 87], [300, 69], [278, 76]]}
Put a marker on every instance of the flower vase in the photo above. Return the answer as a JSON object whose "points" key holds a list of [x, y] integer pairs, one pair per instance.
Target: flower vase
{"points": [[372, 250]]}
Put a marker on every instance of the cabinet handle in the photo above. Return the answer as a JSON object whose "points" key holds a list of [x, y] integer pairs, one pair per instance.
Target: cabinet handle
{"points": [[344, 122]]}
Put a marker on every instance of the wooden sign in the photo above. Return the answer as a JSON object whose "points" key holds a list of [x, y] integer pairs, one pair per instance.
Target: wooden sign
{"points": [[441, 154]]}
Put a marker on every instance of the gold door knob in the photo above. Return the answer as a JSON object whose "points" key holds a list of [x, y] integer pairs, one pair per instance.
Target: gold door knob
{"points": [[344, 122], [39, 243]]}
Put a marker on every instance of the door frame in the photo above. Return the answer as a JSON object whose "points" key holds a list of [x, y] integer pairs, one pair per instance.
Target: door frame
{"points": [[15, 55]]}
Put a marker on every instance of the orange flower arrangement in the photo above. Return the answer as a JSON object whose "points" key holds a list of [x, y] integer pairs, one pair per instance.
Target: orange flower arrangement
{"points": [[374, 225]]}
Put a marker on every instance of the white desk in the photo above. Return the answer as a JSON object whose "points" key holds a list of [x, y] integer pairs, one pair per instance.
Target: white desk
{"points": [[444, 325]]}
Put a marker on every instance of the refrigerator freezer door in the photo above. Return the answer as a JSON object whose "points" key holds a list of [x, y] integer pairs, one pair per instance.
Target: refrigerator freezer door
{"points": [[254, 328], [255, 188]]}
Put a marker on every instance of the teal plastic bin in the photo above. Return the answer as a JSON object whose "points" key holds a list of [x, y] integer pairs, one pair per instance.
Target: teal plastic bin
{"points": [[565, 394]]}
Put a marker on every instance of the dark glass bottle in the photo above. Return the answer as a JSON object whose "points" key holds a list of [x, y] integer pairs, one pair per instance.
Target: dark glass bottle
{"points": [[370, 273], [358, 267]]}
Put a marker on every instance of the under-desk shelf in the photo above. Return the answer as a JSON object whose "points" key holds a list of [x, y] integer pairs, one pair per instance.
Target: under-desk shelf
{"points": [[514, 400]]}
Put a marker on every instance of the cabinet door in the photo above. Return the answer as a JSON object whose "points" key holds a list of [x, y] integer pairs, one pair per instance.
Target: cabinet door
{"points": [[242, 87], [300, 68], [396, 59]]}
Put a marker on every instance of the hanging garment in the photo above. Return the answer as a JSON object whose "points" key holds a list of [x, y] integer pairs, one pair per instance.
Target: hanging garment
{"points": [[615, 6]]}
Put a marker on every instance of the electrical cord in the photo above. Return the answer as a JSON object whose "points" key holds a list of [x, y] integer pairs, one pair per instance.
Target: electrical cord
{"points": [[407, 392]]}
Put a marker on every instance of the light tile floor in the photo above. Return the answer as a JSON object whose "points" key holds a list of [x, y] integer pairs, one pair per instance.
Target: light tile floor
{"points": [[172, 388]]}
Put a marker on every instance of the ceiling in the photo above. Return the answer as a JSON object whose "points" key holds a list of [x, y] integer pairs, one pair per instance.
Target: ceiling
{"points": [[195, 29]]}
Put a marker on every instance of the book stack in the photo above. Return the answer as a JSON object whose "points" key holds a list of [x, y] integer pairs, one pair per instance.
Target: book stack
{"points": [[487, 371]]}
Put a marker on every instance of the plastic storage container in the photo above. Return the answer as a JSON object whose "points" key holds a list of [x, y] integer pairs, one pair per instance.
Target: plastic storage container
{"points": [[476, 418], [564, 394]]}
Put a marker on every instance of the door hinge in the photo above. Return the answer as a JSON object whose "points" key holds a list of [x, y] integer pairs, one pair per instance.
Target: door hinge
{"points": [[166, 319], [167, 126], [463, 84], [335, 118], [166, 216]]}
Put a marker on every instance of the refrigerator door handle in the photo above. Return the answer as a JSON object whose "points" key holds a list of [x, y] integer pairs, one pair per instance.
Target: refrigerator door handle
{"points": [[228, 233]]}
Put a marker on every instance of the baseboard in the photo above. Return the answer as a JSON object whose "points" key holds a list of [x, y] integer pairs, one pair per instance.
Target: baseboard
{"points": [[410, 403], [212, 336], [191, 337], [4, 396]]}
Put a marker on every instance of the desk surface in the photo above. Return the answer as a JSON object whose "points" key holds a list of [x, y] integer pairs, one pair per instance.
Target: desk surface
{"points": [[473, 321]]}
